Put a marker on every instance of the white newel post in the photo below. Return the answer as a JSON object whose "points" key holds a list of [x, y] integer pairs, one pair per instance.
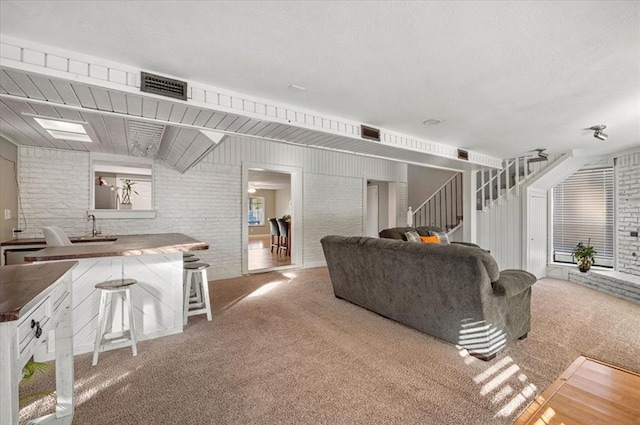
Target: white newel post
{"points": [[410, 218]]}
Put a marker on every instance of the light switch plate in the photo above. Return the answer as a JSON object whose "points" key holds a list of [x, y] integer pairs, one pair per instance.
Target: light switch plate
{"points": [[7, 214]]}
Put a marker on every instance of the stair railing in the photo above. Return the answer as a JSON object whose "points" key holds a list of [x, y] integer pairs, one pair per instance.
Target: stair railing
{"points": [[496, 185], [442, 209]]}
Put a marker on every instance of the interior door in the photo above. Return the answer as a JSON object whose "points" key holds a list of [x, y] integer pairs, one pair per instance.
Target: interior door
{"points": [[372, 211], [537, 219]]}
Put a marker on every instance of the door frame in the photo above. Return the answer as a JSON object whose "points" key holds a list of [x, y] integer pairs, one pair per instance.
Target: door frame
{"points": [[296, 214], [377, 194]]}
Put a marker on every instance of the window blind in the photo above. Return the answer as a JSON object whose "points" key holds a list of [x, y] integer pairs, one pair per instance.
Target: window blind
{"points": [[583, 210]]}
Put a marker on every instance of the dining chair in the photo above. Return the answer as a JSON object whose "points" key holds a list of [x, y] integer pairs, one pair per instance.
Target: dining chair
{"points": [[283, 228], [275, 233]]}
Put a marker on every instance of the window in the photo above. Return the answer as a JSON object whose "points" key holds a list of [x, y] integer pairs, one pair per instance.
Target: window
{"points": [[256, 211], [112, 176], [583, 211]]}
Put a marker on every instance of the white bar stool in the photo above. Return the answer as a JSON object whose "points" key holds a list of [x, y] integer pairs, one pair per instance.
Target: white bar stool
{"points": [[104, 340], [196, 282]]}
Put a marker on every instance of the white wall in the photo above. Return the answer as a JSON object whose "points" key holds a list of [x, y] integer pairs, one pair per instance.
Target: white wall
{"points": [[627, 171], [283, 196], [424, 182], [500, 231], [205, 202]]}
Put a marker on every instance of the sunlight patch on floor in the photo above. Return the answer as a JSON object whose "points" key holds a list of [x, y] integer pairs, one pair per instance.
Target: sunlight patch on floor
{"points": [[503, 382], [264, 289]]}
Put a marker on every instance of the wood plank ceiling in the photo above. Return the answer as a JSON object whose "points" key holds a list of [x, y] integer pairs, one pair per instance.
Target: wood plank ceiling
{"points": [[174, 126]]}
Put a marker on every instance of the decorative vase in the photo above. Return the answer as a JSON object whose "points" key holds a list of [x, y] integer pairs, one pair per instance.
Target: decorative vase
{"points": [[126, 206], [584, 265]]}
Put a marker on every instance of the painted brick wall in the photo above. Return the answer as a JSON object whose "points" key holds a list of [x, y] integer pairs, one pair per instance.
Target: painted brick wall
{"points": [[628, 186], [205, 202], [332, 206]]}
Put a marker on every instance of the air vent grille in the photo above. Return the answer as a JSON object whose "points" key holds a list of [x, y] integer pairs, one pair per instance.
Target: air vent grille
{"points": [[463, 154], [163, 86], [370, 133]]}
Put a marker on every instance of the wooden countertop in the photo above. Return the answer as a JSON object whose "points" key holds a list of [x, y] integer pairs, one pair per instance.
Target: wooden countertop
{"points": [[21, 283], [41, 241], [123, 245]]}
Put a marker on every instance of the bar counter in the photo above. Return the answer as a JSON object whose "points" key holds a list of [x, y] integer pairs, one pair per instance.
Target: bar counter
{"points": [[123, 245], [154, 261]]}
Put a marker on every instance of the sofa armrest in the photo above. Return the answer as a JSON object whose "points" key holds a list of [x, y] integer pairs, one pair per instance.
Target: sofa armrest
{"points": [[512, 282], [468, 244]]}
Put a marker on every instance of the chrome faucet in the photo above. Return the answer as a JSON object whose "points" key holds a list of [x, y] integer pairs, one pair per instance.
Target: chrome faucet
{"points": [[94, 231]]}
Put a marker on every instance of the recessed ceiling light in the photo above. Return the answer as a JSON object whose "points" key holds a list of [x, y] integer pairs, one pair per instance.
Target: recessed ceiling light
{"points": [[432, 121], [296, 88], [251, 189], [64, 130]]}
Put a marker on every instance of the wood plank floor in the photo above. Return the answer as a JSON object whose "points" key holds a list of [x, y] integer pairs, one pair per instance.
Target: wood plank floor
{"points": [[589, 392], [261, 257]]}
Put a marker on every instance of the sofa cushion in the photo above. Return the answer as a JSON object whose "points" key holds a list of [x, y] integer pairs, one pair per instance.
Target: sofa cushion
{"points": [[412, 236], [430, 239], [395, 233], [512, 282], [442, 237]]}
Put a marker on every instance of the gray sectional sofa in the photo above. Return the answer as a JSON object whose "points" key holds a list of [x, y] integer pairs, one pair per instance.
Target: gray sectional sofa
{"points": [[453, 292]]}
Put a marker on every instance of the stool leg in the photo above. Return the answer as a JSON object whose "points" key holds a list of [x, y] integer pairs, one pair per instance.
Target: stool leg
{"points": [[132, 323], [187, 294], [205, 290], [102, 322], [198, 290]]}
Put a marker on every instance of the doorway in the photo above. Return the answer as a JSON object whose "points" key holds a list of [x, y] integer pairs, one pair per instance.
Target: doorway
{"points": [[372, 211], [271, 226]]}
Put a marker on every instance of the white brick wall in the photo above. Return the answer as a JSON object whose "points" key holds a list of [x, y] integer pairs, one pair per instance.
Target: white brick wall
{"points": [[332, 206], [604, 282], [204, 203], [628, 212]]}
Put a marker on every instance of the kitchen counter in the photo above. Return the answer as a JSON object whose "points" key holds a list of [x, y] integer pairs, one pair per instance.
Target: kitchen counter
{"points": [[41, 241], [124, 245], [36, 313], [21, 284]]}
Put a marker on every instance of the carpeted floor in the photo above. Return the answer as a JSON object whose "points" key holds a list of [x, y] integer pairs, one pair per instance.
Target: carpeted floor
{"points": [[281, 349]]}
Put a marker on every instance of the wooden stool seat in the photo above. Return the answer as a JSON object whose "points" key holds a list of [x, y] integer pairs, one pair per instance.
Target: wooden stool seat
{"points": [[190, 260], [116, 284], [187, 255], [196, 266], [116, 339]]}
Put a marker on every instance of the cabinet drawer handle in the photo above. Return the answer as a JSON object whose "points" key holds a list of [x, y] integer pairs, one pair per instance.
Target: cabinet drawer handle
{"points": [[36, 325]]}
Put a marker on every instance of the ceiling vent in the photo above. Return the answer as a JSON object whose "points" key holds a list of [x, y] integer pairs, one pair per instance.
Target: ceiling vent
{"points": [[370, 133], [463, 154], [163, 86]]}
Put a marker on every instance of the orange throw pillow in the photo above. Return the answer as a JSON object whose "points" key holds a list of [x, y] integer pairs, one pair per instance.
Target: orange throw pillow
{"points": [[430, 239]]}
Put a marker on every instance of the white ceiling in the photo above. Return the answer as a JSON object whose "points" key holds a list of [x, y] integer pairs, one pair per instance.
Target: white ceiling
{"points": [[269, 180], [504, 77]]}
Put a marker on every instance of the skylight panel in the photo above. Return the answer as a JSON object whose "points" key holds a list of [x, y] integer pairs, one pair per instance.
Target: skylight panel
{"points": [[64, 130]]}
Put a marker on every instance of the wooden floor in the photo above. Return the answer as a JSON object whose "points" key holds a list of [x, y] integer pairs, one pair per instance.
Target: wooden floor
{"points": [[588, 393], [261, 257]]}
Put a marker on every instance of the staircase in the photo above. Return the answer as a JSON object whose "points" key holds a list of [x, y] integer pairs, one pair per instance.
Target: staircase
{"points": [[495, 185], [443, 209]]}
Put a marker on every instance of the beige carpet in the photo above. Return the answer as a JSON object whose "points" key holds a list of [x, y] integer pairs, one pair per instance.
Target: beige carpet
{"points": [[281, 349]]}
